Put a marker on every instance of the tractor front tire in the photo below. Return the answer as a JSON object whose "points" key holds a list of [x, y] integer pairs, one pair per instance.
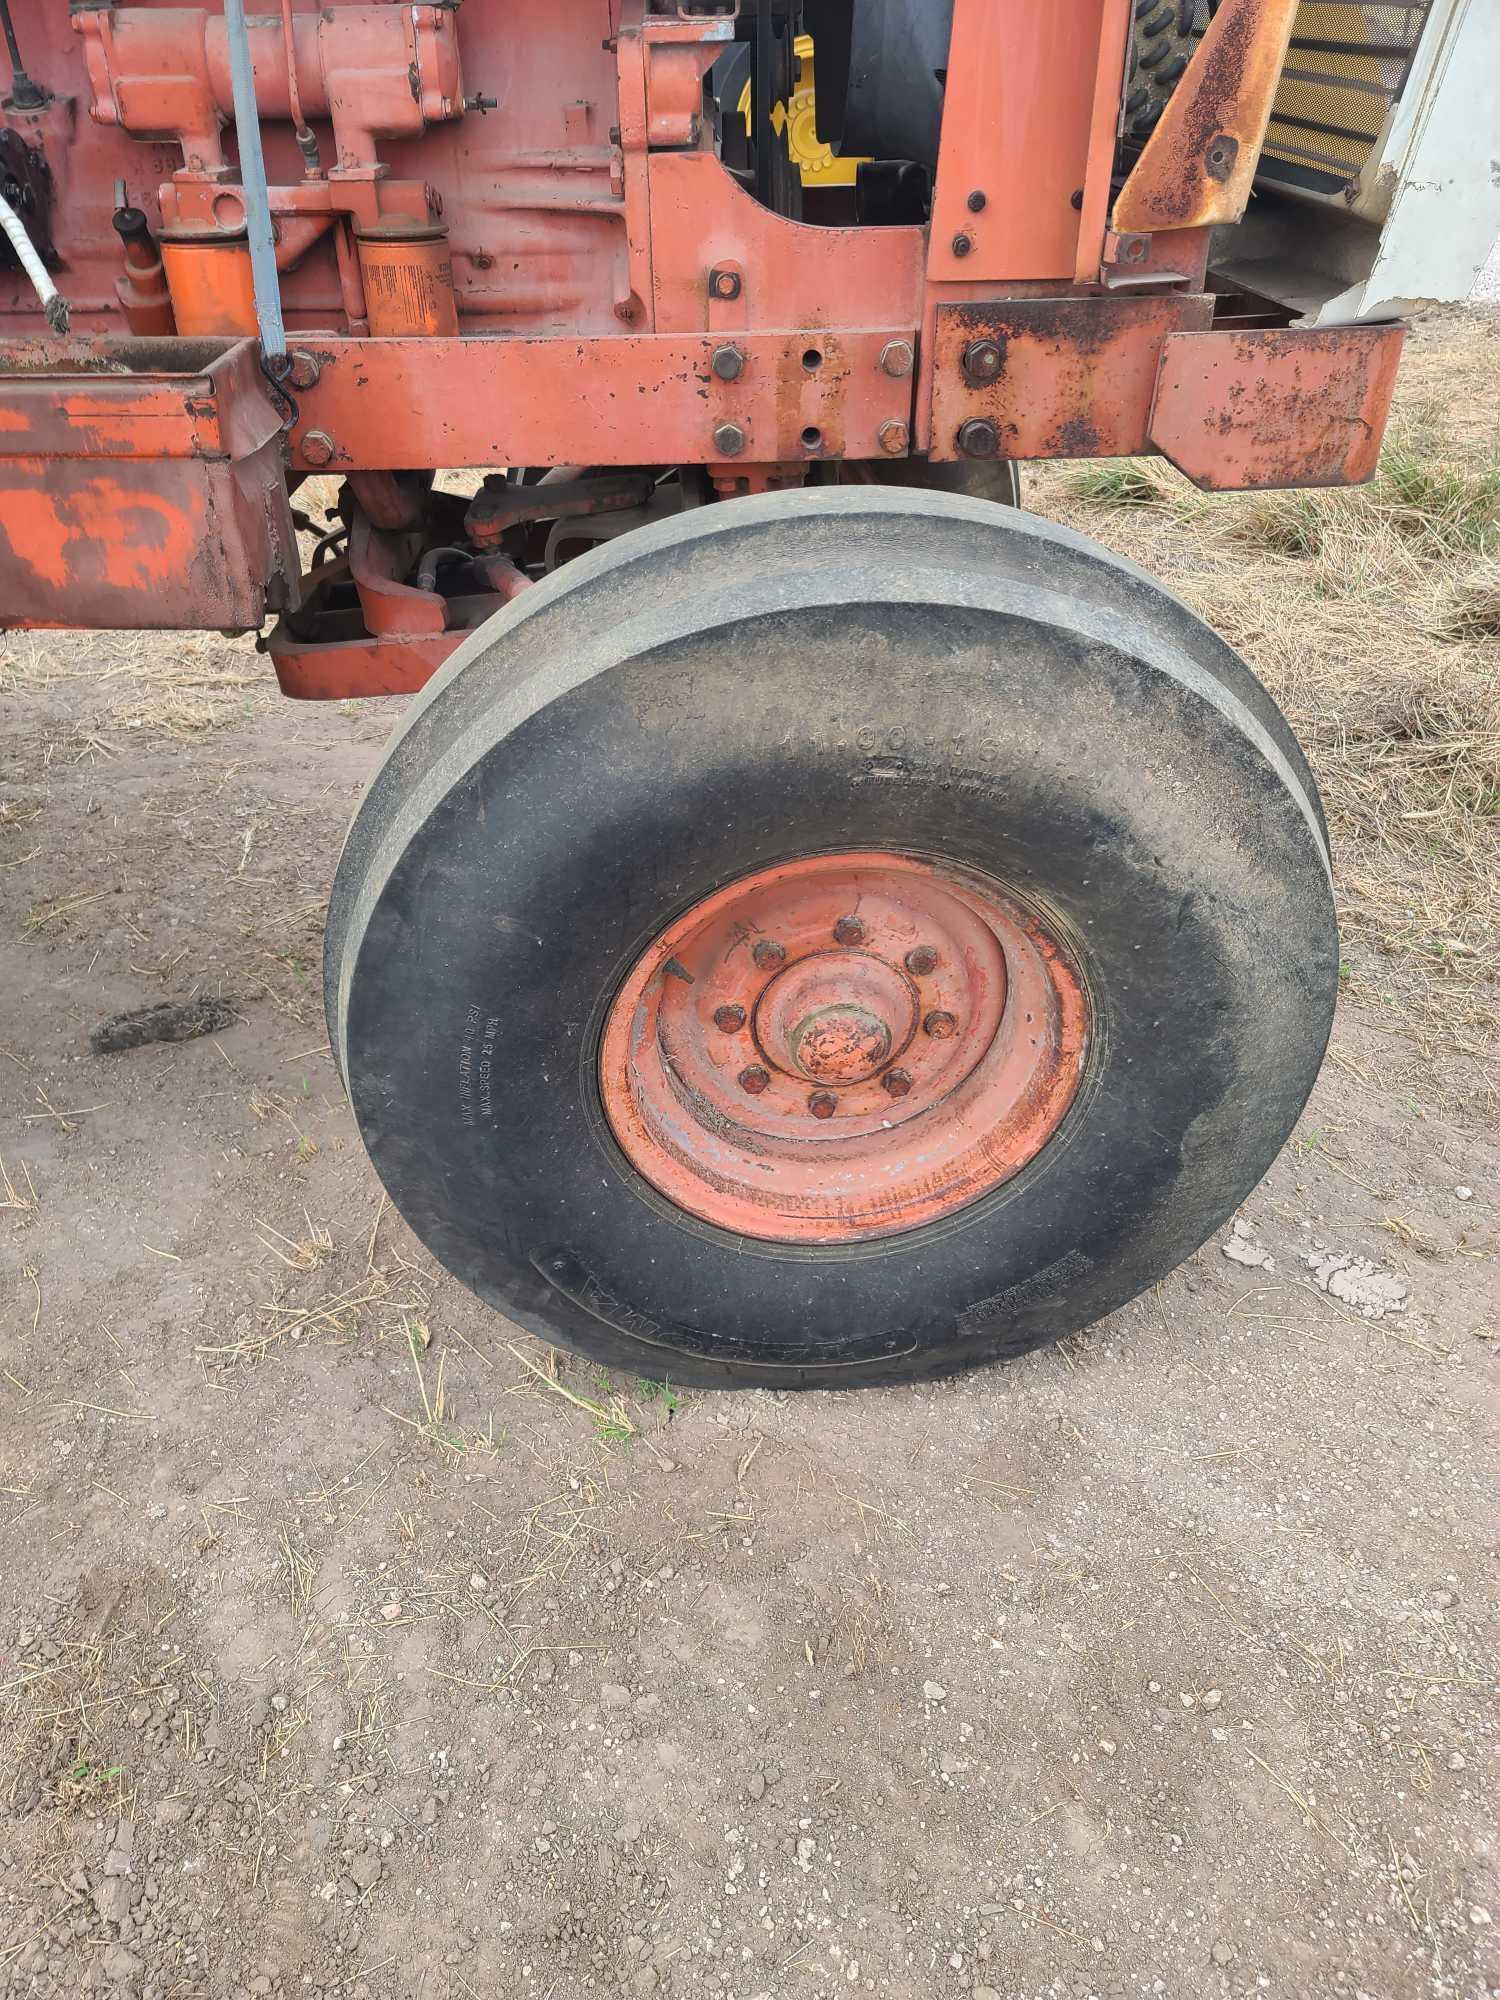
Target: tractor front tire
{"points": [[831, 938]]}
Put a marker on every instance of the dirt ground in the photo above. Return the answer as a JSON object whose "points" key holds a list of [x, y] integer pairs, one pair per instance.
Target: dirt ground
{"points": [[353, 1643]]}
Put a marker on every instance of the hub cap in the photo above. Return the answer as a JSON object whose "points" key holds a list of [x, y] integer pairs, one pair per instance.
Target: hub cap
{"points": [[843, 1047]]}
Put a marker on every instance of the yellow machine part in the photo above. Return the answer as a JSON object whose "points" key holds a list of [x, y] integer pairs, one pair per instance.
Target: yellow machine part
{"points": [[797, 122]]}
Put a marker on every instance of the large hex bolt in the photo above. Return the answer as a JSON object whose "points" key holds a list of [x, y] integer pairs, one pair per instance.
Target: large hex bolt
{"points": [[978, 438], [982, 360], [729, 440], [894, 436], [318, 448], [728, 363], [896, 357]]}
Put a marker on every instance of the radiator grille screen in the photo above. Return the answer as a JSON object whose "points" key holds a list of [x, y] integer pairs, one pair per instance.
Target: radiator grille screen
{"points": [[1346, 67]]}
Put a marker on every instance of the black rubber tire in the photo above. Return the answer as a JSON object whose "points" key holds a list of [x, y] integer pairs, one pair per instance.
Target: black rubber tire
{"points": [[839, 668], [1164, 34]]}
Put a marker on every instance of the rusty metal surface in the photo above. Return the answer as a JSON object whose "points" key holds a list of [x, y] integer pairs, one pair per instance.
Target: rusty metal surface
{"points": [[913, 1038], [634, 399], [1276, 407], [138, 497], [1198, 164], [1075, 377]]}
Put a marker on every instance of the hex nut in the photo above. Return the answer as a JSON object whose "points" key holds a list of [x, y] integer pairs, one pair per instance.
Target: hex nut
{"points": [[729, 440], [728, 363], [983, 360], [978, 438], [897, 357]]}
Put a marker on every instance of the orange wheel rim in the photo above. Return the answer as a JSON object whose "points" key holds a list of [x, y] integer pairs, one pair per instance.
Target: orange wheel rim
{"points": [[843, 1047]]}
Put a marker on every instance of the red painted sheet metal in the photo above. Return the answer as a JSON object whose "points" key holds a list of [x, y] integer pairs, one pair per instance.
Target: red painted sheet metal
{"points": [[634, 399], [1075, 376], [135, 496], [1289, 406], [1024, 127], [339, 670]]}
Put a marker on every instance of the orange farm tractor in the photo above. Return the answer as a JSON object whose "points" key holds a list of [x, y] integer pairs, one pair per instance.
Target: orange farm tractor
{"points": [[818, 924]]}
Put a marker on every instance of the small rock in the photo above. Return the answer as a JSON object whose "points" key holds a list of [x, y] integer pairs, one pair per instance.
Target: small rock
{"points": [[112, 1899], [612, 1695], [1457, 1761], [757, 1785], [366, 1870], [934, 1691], [1222, 1954], [1211, 1699], [1463, 1194], [1478, 1916], [121, 1965], [1108, 1745], [390, 1610], [983, 1993]]}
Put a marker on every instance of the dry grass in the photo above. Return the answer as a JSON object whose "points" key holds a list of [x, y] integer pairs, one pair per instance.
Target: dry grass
{"points": [[175, 683], [1373, 616]]}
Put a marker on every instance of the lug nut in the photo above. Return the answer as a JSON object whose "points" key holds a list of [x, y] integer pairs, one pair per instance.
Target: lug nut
{"points": [[822, 1104], [768, 954], [729, 1019], [754, 1079], [921, 960], [897, 1082], [940, 1025], [849, 930]]}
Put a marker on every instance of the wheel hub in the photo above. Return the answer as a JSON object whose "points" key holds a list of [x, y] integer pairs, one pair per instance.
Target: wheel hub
{"points": [[835, 1016], [843, 1047]]}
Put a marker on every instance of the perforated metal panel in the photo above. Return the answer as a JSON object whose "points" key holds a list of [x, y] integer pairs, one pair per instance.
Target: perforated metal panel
{"points": [[1347, 65]]}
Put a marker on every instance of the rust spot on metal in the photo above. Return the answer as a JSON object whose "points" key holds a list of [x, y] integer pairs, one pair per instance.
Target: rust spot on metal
{"points": [[1272, 407], [1198, 164], [1078, 372]]}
